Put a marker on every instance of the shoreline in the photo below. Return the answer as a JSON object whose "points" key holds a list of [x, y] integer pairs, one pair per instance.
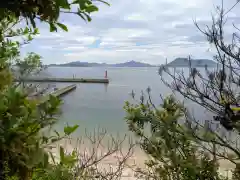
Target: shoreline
{"points": [[131, 157]]}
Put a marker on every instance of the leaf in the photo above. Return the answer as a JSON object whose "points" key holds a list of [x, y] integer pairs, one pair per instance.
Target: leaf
{"points": [[30, 37], [26, 30], [63, 4], [69, 160], [75, 2], [88, 18], [62, 26], [91, 9], [70, 129], [36, 31], [61, 154], [52, 27], [80, 14], [45, 163], [74, 153]]}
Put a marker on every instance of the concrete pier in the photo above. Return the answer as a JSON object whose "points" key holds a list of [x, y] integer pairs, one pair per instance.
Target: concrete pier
{"points": [[65, 80], [58, 93]]}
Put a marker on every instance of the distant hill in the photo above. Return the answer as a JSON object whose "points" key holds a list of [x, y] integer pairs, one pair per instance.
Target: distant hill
{"points": [[86, 64], [79, 64], [132, 64], [184, 62]]}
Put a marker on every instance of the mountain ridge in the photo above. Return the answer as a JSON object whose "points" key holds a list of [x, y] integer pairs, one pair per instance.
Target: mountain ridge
{"points": [[86, 64], [184, 62], [178, 62]]}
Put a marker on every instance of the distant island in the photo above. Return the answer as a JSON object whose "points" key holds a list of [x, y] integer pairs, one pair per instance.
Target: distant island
{"points": [[184, 62], [86, 64], [178, 62]]}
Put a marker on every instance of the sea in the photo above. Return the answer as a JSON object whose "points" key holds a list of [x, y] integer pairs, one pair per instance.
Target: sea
{"points": [[100, 106], [98, 110]]}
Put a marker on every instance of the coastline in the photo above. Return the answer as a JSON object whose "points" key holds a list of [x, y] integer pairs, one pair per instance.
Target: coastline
{"points": [[130, 157]]}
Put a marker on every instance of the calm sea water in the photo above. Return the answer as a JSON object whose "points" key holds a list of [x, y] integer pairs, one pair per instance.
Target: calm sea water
{"points": [[98, 105]]}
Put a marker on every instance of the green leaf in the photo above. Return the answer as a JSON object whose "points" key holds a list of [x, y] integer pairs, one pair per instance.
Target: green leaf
{"points": [[30, 37], [80, 14], [82, 4], [45, 163], [63, 4], [75, 2], [70, 129], [74, 153], [61, 154], [36, 31], [88, 18], [62, 26], [26, 30], [69, 160], [91, 9], [52, 27]]}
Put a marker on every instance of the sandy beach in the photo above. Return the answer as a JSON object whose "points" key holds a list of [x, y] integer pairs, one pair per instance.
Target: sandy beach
{"points": [[108, 157]]}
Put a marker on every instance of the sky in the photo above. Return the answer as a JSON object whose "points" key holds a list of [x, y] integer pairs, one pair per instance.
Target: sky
{"points": [[149, 31]]}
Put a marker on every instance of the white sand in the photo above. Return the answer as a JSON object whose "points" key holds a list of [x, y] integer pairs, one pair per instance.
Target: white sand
{"points": [[110, 163]]}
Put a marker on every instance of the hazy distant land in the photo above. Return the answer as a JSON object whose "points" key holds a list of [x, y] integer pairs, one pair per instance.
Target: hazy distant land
{"points": [[178, 62], [86, 64], [184, 62]]}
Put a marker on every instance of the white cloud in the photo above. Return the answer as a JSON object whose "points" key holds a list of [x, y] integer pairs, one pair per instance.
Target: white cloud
{"points": [[135, 17], [46, 47], [74, 48], [142, 30], [124, 34], [86, 40]]}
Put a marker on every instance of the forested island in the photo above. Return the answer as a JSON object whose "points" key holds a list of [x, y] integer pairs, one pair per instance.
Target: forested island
{"points": [[178, 62], [185, 62], [87, 64]]}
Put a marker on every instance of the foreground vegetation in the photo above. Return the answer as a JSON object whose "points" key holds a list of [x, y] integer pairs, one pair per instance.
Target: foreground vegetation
{"points": [[25, 147], [179, 146]]}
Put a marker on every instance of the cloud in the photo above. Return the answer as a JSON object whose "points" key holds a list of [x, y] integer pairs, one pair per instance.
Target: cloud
{"points": [[135, 17], [148, 31], [74, 48]]}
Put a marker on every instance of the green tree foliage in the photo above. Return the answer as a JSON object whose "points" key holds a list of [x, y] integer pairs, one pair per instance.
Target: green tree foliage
{"points": [[23, 121], [24, 144], [215, 89], [48, 10], [174, 153], [181, 136]]}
